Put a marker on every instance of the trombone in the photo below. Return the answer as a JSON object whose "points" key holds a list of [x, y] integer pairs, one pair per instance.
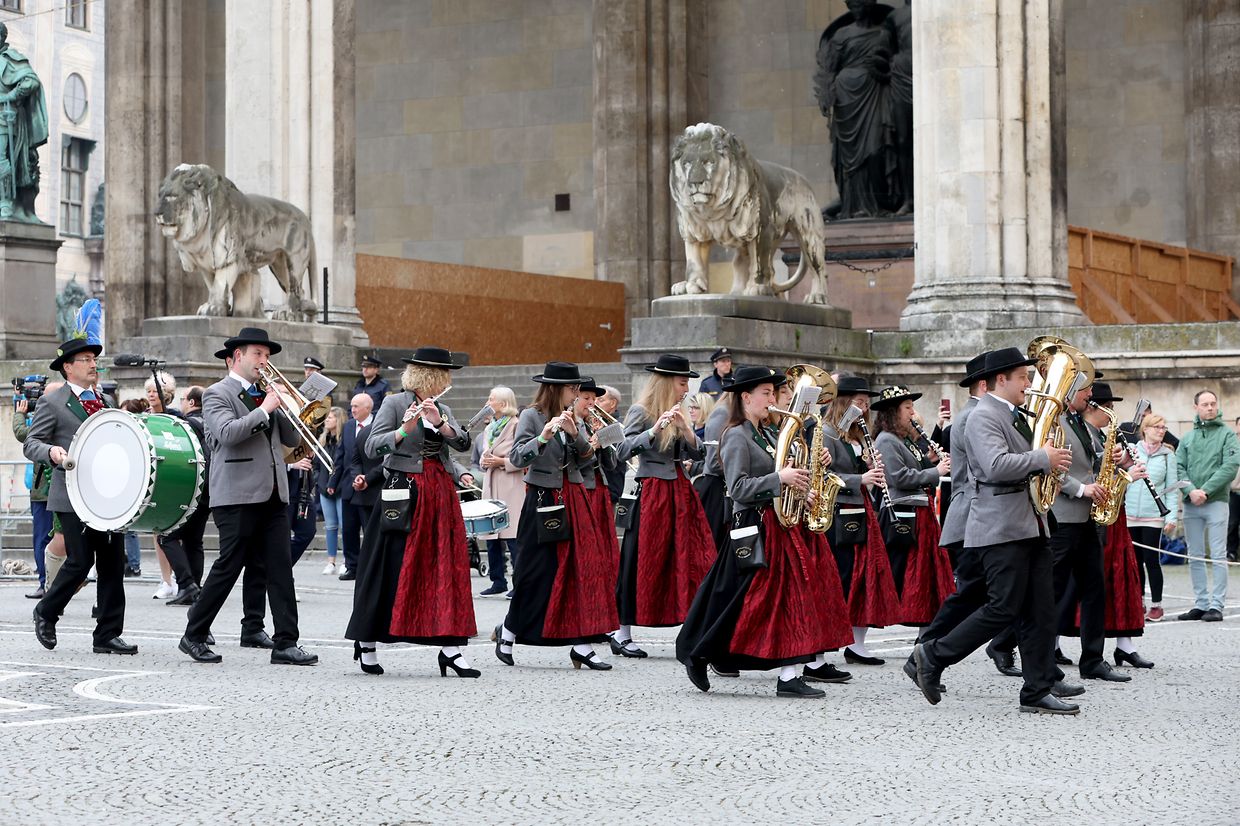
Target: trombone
{"points": [[307, 416], [606, 428]]}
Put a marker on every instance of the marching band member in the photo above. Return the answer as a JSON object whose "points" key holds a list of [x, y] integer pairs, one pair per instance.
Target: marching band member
{"points": [[249, 498], [710, 486], [856, 540], [57, 418], [768, 617], [669, 547], [593, 473], [562, 594], [413, 573], [921, 570]]}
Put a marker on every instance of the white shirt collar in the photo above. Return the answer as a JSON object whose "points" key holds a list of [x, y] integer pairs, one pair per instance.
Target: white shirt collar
{"points": [[1010, 406], [235, 376], [365, 422], [77, 391]]}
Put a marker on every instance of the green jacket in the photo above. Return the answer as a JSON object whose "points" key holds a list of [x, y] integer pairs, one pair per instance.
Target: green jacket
{"points": [[1208, 457]]}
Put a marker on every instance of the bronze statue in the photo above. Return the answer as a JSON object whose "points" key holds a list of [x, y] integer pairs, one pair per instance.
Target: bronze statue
{"points": [[854, 88], [23, 129]]}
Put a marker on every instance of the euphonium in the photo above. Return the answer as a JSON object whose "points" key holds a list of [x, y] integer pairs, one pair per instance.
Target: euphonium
{"points": [[1113, 479], [306, 416], [823, 484], [811, 386], [1061, 372]]}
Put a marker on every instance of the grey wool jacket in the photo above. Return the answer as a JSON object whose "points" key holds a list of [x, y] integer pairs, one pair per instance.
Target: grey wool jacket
{"points": [[748, 467], [406, 457], [548, 465], [653, 462]]}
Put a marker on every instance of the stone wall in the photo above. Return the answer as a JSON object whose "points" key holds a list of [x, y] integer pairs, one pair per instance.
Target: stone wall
{"points": [[1126, 117], [471, 119]]}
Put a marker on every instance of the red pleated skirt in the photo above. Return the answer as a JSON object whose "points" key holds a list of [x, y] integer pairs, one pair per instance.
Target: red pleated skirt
{"points": [[1125, 612], [872, 600], [675, 549], [605, 520], [928, 579], [790, 608], [582, 602], [433, 598]]}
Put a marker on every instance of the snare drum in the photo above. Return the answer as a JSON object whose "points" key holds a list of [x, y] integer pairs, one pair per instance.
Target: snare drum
{"points": [[484, 516], [135, 473]]}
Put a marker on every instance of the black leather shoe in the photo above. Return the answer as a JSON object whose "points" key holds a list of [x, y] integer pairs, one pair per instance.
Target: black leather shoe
{"points": [[697, 675], [114, 646], [493, 590], [198, 651], [260, 640], [1213, 615], [853, 658], [496, 635], [37, 593], [590, 661], [347, 576], [796, 687], [210, 639], [1061, 689], [1192, 615], [293, 655], [723, 672], [1103, 671], [825, 673], [1060, 659], [928, 676], [358, 651], [450, 662], [1050, 704], [910, 670], [626, 649], [94, 612], [44, 631], [1005, 662], [1134, 659], [186, 596]]}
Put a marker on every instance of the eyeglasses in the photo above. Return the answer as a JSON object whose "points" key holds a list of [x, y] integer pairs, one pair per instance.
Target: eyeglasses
{"points": [[83, 360], [1157, 427]]}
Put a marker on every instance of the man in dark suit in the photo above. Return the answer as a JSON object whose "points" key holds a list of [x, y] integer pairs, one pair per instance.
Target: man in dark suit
{"points": [[358, 478], [249, 498], [56, 420], [1009, 537]]}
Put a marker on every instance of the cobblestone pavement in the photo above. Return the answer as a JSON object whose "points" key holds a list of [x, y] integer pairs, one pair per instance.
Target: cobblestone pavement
{"points": [[157, 738]]}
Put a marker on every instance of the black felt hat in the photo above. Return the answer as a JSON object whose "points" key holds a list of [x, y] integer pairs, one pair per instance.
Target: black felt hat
{"points": [[311, 361], [892, 396], [588, 386], [71, 348], [973, 370], [745, 379], [721, 353], [1102, 393], [1001, 361], [854, 386], [433, 357], [669, 365], [249, 335], [561, 372]]}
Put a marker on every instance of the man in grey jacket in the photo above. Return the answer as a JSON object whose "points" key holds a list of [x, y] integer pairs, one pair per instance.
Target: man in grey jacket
{"points": [[1009, 537], [249, 498]]}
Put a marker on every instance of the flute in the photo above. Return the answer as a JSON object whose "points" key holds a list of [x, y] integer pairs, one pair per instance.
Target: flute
{"points": [[676, 409]]}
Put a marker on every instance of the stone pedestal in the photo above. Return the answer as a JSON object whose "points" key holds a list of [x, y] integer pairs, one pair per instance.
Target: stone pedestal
{"points": [[758, 330], [188, 345], [27, 290]]}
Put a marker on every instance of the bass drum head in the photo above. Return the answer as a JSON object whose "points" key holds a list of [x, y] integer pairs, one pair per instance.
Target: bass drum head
{"points": [[111, 476]]}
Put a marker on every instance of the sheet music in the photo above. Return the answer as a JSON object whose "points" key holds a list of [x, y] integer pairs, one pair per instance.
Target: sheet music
{"points": [[316, 386]]}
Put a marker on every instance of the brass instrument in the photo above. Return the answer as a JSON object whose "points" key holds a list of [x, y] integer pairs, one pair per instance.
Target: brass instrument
{"points": [[824, 486], [1061, 372], [1113, 479], [305, 415], [811, 386], [604, 426], [876, 458]]}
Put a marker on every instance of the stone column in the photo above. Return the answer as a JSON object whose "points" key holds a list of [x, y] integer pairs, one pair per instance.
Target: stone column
{"points": [[989, 167], [1211, 54], [289, 135]]}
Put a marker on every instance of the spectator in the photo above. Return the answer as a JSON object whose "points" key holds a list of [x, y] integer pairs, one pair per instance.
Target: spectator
{"points": [[1208, 458], [358, 477], [1233, 510], [502, 480], [371, 384], [721, 364], [610, 402], [1144, 524], [38, 481], [700, 405], [330, 499], [161, 389]]}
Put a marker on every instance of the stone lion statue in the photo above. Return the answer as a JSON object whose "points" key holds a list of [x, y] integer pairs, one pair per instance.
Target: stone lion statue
{"points": [[724, 196], [227, 237]]}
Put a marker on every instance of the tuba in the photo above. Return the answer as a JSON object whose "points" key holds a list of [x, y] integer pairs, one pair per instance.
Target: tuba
{"points": [[1111, 477], [811, 386], [307, 416], [1061, 372]]}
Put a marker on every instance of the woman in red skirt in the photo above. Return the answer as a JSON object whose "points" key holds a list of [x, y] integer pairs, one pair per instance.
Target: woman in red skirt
{"points": [[921, 569], [592, 476], [413, 571], [777, 615], [668, 547], [562, 594]]}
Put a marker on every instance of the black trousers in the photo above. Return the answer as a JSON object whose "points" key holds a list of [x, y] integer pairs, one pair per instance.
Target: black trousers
{"points": [[1020, 591], [1078, 575], [254, 537], [183, 547], [1233, 524], [970, 594], [353, 518], [1148, 563], [85, 547]]}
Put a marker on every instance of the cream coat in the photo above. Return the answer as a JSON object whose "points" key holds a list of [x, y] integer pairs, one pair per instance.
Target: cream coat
{"points": [[505, 483]]}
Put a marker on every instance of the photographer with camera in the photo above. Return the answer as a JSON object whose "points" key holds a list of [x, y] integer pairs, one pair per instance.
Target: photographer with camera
{"points": [[47, 556]]}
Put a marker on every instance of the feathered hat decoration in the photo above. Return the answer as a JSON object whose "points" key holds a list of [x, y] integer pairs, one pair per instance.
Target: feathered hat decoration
{"points": [[89, 322]]}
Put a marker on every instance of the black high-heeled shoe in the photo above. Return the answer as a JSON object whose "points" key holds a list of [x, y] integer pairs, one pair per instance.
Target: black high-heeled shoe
{"points": [[853, 658], [450, 662], [1134, 659], [498, 636], [591, 661], [623, 649], [358, 651]]}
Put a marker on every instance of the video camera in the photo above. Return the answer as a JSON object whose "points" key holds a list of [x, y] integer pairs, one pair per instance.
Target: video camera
{"points": [[29, 388]]}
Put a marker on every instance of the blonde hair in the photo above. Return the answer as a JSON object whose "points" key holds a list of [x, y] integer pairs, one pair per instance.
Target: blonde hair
{"points": [[423, 380], [508, 401], [1150, 420], [167, 387], [338, 412], [657, 397], [704, 403]]}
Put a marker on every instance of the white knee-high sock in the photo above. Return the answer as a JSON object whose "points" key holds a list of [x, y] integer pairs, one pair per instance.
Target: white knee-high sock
{"points": [[820, 660], [787, 673], [451, 651], [1125, 644], [507, 638], [583, 649], [624, 634], [858, 646], [371, 658], [54, 564]]}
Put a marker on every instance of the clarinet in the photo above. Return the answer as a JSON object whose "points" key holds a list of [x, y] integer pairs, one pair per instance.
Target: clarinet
{"points": [[305, 496], [876, 457], [1163, 510]]}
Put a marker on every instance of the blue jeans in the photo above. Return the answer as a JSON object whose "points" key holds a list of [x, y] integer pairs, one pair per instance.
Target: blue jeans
{"points": [[1205, 531], [133, 551], [40, 535], [333, 516]]}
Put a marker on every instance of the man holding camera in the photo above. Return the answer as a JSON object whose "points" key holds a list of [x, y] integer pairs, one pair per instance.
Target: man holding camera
{"points": [[38, 476]]}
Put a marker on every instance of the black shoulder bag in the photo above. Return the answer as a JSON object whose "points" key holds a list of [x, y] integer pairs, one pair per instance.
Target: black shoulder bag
{"points": [[396, 502], [745, 539]]}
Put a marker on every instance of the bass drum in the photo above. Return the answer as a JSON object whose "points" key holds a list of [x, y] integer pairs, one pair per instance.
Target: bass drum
{"points": [[135, 473]]}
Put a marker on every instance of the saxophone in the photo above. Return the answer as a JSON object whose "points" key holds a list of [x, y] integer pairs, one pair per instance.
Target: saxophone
{"points": [[1113, 479], [824, 485], [1062, 371]]}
